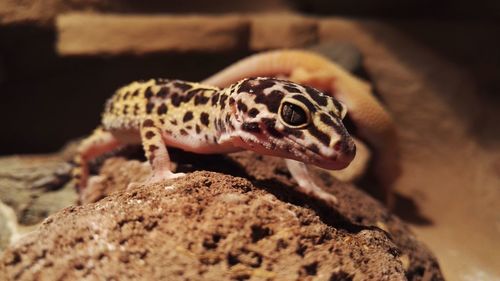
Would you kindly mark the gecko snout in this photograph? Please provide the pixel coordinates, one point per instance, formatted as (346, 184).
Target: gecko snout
(345, 150)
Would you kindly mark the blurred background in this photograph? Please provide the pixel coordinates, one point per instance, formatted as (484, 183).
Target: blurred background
(434, 64)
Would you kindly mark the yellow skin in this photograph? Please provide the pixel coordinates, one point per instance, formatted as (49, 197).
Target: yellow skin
(265, 115)
(374, 124)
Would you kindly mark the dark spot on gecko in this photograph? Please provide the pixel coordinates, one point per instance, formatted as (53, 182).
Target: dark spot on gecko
(136, 109)
(215, 99)
(187, 117)
(270, 127)
(187, 97)
(255, 86)
(294, 132)
(198, 129)
(152, 148)
(317, 96)
(272, 100)
(173, 122)
(231, 101)
(222, 101)
(338, 105)
(125, 109)
(291, 89)
(189, 127)
(306, 102)
(149, 107)
(148, 93)
(200, 99)
(242, 106)
(222, 128)
(314, 148)
(204, 118)
(253, 112)
(135, 93)
(329, 121)
(162, 109)
(250, 127)
(326, 119)
(162, 93)
(150, 135)
(126, 95)
(148, 123)
(176, 99)
(322, 137)
(206, 137)
(182, 86)
(183, 132)
(215, 139)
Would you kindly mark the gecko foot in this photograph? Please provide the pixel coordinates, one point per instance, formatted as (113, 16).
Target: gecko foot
(156, 178)
(324, 196)
(306, 184)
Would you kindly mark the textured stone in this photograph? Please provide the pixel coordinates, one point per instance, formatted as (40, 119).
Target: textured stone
(33, 186)
(91, 34)
(210, 226)
(282, 31)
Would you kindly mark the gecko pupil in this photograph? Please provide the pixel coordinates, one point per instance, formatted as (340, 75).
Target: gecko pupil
(293, 114)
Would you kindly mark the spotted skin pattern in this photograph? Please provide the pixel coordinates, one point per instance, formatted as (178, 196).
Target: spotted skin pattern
(266, 115)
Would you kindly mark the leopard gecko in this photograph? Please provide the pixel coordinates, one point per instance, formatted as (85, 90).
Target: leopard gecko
(372, 121)
(265, 115)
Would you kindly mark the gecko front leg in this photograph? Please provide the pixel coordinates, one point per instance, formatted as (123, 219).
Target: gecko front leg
(306, 184)
(156, 151)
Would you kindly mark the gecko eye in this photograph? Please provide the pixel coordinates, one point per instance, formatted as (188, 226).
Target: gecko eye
(293, 115)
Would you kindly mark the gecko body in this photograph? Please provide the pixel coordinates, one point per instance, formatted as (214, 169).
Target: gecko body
(265, 115)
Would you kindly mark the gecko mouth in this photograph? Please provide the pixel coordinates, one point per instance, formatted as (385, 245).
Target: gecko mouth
(336, 162)
(290, 148)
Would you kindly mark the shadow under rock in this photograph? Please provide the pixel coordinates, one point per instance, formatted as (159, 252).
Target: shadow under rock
(408, 210)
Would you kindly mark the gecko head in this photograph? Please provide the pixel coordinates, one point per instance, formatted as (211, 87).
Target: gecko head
(285, 119)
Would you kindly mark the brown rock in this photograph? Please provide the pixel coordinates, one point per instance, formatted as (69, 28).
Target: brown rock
(282, 31)
(210, 226)
(90, 34)
(34, 186)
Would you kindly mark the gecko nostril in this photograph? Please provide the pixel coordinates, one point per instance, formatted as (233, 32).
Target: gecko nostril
(337, 146)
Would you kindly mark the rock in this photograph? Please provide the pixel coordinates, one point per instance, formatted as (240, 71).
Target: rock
(5, 229)
(282, 31)
(31, 188)
(203, 226)
(212, 226)
(96, 34)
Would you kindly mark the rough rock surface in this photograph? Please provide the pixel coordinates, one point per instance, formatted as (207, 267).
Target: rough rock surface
(34, 186)
(211, 226)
